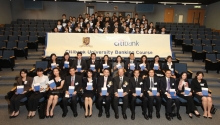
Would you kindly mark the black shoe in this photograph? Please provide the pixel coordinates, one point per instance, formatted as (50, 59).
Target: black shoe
(197, 115)
(100, 114)
(178, 116)
(64, 115)
(75, 114)
(204, 116)
(51, 116)
(150, 115)
(146, 117)
(158, 114)
(107, 114)
(210, 117)
(124, 116)
(86, 116)
(47, 116)
(10, 117)
(168, 117)
(190, 115)
(90, 115)
(116, 116)
(28, 117)
(32, 117)
(132, 116)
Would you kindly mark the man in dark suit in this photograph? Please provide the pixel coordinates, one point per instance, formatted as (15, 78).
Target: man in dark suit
(92, 62)
(80, 63)
(121, 82)
(137, 82)
(168, 83)
(131, 60)
(105, 81)
(152, 82)
(76, 81)
(163, 31)
(89, 28)
(135, 18)
(64, 21)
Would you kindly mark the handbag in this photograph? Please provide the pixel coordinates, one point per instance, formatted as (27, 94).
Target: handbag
(213, 110)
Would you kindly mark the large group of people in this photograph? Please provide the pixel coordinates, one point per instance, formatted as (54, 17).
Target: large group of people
(121, 79)
(105, 24)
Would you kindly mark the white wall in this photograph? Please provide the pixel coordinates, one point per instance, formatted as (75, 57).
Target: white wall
(212, 19)
(5, 12)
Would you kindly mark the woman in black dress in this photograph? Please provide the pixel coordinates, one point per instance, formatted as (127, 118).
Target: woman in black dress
(89, 94)
(183, 83)
(143, 61)
(65, 68)
(197, 84)
(52, 63)
(54, 93)
(156, 62)
(170, 66)
(107, 62)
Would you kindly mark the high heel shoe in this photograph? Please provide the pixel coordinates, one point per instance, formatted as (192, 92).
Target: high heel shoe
(51, 116)
(10, 117)
(28, 117)
(86, 116)
(32, 116)
(190, 116)
(210, 117)
(47, 116)
(90, 115)
(204, 116)
(197, 115)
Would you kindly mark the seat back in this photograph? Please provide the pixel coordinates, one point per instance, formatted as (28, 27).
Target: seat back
(207, 48)
(23, 38)
(2, 44)
(2, 38)
(216, 42)
(197, 42)
(216, 48)
(13, 38)
(211, 57)
(24, 33)
(218, 56)
(8, 53)
(11, 44)
(190, 80)
(33, 38)
(197, 48)
(206, 42)
(180, 67)
(21, 45)
(41, 64)
(187, 41)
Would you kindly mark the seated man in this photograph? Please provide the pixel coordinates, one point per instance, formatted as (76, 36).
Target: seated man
(168, 83)
(76, 81)
(151, 82)
(105, 81)
(121, 82)
(80, 64)
(129, 72)
(137, 82)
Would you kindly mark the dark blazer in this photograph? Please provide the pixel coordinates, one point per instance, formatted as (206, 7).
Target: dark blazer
(62, 63)
(197, 87)
(152, 65)
(163, 84)
(28, 85)
(66, 21)
(108, 63)
(116, 81)
(94, 85)
(57, 62)
(101, 83)
(147, 83)
(166, 67)
(67, 83)
(96, 63)
(133, 84)
(82, 63)
(127, 62)
(183, 88)
(139, 68)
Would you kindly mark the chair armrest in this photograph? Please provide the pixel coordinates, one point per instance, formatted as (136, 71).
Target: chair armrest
(190, 71)
(176, 71)
(36, 41)
(0, 56)
(208, 60)
(178, 59)
(193, 50)
(14, 88)
(30, 89)
(45, 69)
(12, 57)
(32, 69)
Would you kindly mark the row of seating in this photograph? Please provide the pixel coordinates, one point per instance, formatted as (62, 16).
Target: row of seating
(34, 21)
(194, 32)
(25, 29)
(19, 33)
(212, 62)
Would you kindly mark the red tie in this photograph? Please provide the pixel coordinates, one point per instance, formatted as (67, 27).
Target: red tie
(72, 82)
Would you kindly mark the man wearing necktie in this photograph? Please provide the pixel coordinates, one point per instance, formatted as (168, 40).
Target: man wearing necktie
(152, 82)
(121, 82)
(137, 82)
(132, 60)
(76, 81)
(80, 62)
(105, 81)
(168, 83)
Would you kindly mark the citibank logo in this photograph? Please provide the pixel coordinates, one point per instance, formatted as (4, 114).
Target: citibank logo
(125, 43)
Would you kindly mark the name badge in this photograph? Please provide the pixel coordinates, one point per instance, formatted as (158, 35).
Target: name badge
(202, 84)
(141, 83)
(124, 85)
(108, 86)
(25, 82)
(172, 84)
(76, 83)
(155, 83)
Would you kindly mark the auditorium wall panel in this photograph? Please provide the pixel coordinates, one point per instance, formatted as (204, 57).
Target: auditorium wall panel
(5, 12)
(212, 19)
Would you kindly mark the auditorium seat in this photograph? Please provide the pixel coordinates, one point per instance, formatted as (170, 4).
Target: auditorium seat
(186, 36)
(2, 45)
(11, 45)
(216, 37)
(211, 62)
(25, 33)
(33, 42)
(207, 49)
(32, 29)
(13, 38)
(215, 33)
(197, 53)
(22, 50)
(206, 42)
(8, 59)
(182, 67)
(17, 29)
(178, 39)
(8, 33)
(200, 32)
(201, 37)
(8, 28)
(196, 42)
(33, 33)
(216, 49)
(24, 29)
(23, 38)
(17, 33)
(39, 64)
(187, 45)
(194, 36)
(209, 37)
(3, 38)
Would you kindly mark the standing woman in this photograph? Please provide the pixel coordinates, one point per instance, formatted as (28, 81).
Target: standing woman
(54, 93)
(156, 62)
(64, 64)
(144, 62)
(53, 62)
(197, 84)
(120, 62)
(183, 83)
(15, 100)
(107, 62)
(89, 94)
(37, 95)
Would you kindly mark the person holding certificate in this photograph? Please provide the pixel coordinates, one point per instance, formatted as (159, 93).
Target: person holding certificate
(184, 91)
(121, 90)
(137, 90)
(168, 87)
(118, 64)
(65, 64)
(152, 88)
(156, 65)
(39, 87)
(143, 66)
(54, 92)
(71, 81)
(197, 85)
(130, 65)
(26, 82)
(105, 64)
(105, 91)
(80, 65)
(93, 64)
(169, 65)
(89, 87)
(53, 62)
